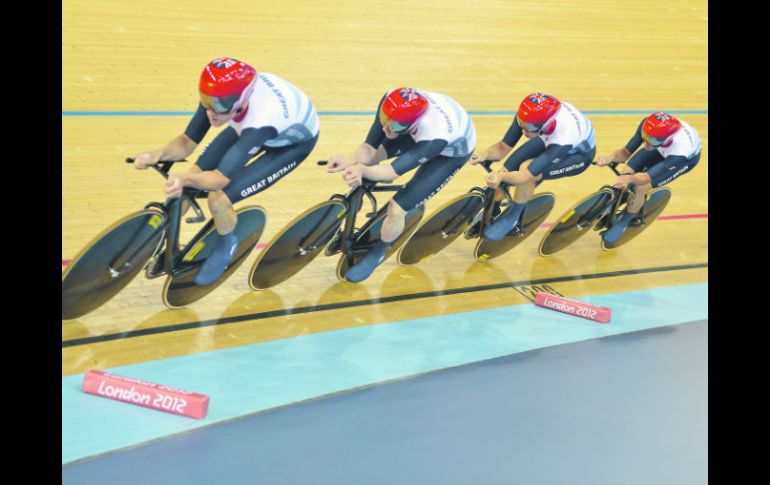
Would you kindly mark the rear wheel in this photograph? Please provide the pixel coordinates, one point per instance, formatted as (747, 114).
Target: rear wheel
(370, 234)
(110, 261)
(180, 288)
(654, 202)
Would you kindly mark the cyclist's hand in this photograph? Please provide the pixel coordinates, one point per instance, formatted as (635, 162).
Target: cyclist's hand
(620, 155)
(478, 158)
(338, 163)
(604, 160)
(353, 175)
(494, 179)
(146, 159)
(174, 186)
(623, 180)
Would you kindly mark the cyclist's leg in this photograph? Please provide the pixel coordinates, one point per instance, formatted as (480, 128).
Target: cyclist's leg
(669, 170)
(208, 160)
(524, 192)
(569, 166)
(265, 171)
(429, 179)
(642, 161)
(661, 174)
(519, 159)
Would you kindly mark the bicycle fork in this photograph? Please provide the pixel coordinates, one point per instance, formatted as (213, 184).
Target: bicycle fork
(124, 260)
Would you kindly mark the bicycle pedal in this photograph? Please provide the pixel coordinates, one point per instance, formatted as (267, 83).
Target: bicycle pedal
(473, 230)
(602, 223)
(154, 267)
(335, 246)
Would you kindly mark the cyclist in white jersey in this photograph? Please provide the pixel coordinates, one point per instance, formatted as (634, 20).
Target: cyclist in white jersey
(561, 144)
(268, 119)
(426, 131)
(671, 149)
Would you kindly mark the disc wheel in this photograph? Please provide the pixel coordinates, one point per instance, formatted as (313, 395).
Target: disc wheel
(445, 225)
(110, 261)
(180, 289)
(370, 234)
(535, 212)
(654, 202)
(297, 244)
(575, 222)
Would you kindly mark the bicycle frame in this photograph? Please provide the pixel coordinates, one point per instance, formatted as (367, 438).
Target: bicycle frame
(355, 201)
(173, 210)
(489, 199)
(619, 196)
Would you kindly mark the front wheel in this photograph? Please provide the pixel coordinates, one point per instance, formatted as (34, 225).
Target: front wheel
(441, 228)
(297, 244)
(576, 222)
(110, 261)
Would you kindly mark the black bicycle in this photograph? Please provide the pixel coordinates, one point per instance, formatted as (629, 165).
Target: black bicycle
(149, 239)
(599, 211)
(478, 206)
(332, 225)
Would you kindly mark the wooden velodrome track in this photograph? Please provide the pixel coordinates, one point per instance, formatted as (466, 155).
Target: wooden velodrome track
(145, 56)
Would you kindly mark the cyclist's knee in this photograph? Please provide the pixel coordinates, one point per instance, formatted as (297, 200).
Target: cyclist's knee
(219, 202)
(395, 210)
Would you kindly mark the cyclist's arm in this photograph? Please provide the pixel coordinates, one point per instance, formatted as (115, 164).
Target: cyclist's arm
(420, 153)
(183, 145)
(513, 135)
(366, 154)
(236, 157)
(496, 151)
(538, 165)
(501, 149)
(179, 148)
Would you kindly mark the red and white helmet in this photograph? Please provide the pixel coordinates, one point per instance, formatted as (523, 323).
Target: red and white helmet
(659, 127)
(401, 108)
(537, 112)
(226, 84)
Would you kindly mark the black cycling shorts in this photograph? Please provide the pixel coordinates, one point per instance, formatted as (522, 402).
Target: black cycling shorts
(270, 165)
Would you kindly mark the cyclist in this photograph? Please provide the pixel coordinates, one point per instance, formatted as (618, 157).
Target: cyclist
(561, 143)
(671, 149)
(426, 131)
(269, 120)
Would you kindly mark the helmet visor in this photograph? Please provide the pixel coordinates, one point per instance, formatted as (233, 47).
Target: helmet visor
(392, 125)
(652, 141)
(222, 104)
(530, 127)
